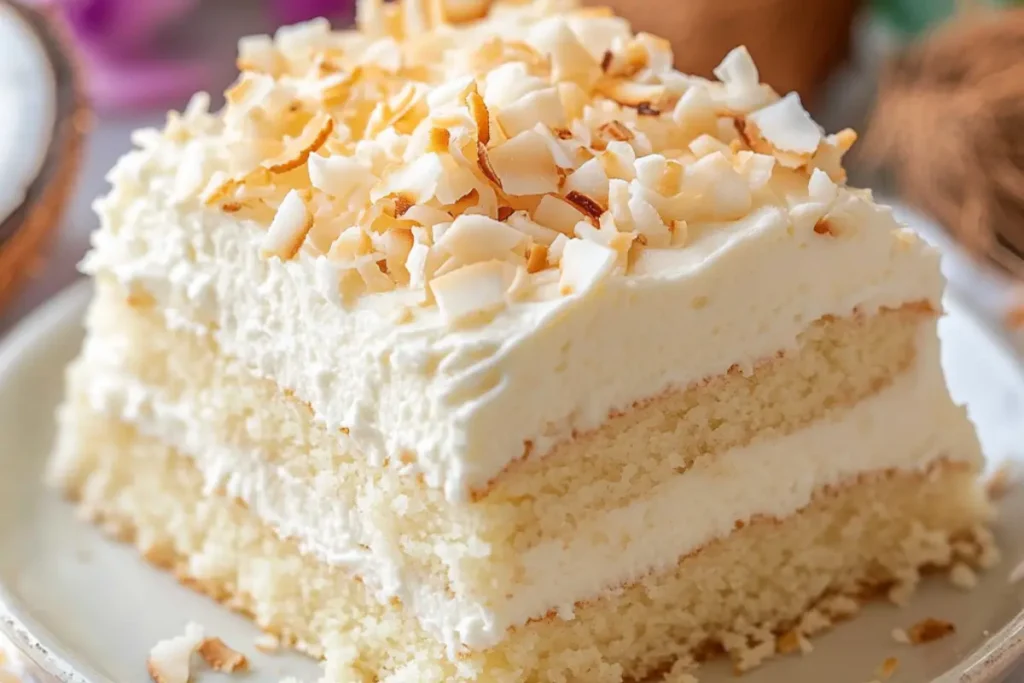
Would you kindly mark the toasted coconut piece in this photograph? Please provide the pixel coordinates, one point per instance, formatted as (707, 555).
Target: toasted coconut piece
(170, 660)
(615, 130)
(375, 279)
(589, 180)
(927, 630)
(632, 94)
(587, 205)
(524, 165)
(483, 159)
(570, 61)
(370, 19)
(438, 140)
(352, 243)
(650, 170)
(844, 139)
(648, 222)
(461, 11)
(562, 158)
(482, 117)
(338, 176)
(471, 293)
(539, 106)
(537, 232)
(705, 144)
(426, 215)
(473, 238)
(297, 151)
(288, 230)
(220, 657)
(560, 214)
(744, 91)
(536, 258)
(618, 159)
(726, 194)
(783, 129)
(258, 53)
(397, 245)
(583, 265)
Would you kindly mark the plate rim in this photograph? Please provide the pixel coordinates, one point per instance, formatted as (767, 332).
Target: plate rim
(985, 664)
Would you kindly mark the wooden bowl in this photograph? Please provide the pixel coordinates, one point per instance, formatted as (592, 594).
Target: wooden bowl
(40, 152)
(795, 43)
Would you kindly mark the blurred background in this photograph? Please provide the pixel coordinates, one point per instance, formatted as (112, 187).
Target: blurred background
(936, 87)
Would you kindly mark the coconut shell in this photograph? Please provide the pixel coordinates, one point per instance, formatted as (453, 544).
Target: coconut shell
(26, 229)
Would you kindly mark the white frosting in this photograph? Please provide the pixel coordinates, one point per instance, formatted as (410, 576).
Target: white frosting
(455, 400)
(906, 426)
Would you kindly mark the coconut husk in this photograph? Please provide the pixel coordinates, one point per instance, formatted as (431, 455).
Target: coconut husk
(26, 231)
(949, 126)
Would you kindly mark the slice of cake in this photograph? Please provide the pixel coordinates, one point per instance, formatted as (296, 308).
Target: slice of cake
(502, 351)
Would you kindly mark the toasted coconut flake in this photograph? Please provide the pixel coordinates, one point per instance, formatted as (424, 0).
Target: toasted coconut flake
(844, 139)
(170, 660)
(632, 94)
(462, 11)
(606, 60)
(426, 215)
(887, 668)
(313, 136)
(484, 161)
(536, 258)
(929, 629)
(288, 230)
(471, 293)
(338, 176)
(540, 106)
(267, 643)
(561, 157)
(556, 248)
(504, 212)
(585, 204)
(559, 214)
(570, 60)
(647, 109)
(258, 53)
(438, 140)
(220, 657)
(524, 165)
(589, 180)
(537, 232)
(478, 110)
(825, 227)
(473, 238)
(615, 130)
(787, 126)
(583, 265)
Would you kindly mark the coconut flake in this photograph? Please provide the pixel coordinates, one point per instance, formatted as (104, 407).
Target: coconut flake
(524, 165)
(584, 264)
(288, 230)
(558, 214)
(474, 238)
(540, 106)
(589, 180)
(570, 61)
(170, 660)
(539, 233)
(470, 293)
(787, 126)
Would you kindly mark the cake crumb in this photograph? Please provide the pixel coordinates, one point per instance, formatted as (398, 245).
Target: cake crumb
(840, 607)
(753, 656)
(927, 630)
(170, 660)
(900, 636)
(220, 657)
(682, 671)
(887, 668)
(901, 591)
(814, 621)
(267, 642)
(962, 576)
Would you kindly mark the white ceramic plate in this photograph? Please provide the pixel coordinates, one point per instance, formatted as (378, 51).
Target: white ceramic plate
(87, 609)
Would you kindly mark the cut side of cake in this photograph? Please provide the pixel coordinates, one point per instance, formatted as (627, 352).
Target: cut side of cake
(500, 350)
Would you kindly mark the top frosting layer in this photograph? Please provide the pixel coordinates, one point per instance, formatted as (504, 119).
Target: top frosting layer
(466, 242)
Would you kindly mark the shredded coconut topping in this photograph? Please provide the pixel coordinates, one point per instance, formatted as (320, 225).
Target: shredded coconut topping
(499, 142)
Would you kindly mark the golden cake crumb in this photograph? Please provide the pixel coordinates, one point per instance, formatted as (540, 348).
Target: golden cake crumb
(220, 657)
(927, 630)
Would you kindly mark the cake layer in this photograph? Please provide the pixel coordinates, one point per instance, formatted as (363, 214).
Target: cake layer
(414, 393)
(471, 571)
(851, 539)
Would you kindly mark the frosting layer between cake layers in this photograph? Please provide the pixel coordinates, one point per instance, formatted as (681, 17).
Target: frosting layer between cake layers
(449, 403)
(907, 426)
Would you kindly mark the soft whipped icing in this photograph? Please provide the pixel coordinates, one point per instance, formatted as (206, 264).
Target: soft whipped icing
(464, 403)
(907, 426)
